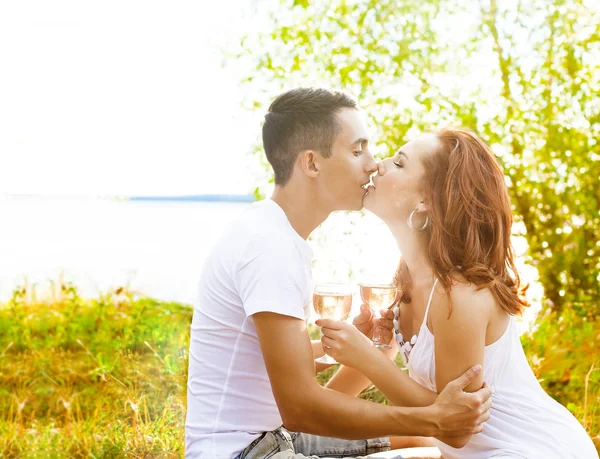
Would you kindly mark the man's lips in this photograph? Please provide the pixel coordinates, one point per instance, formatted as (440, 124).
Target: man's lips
(368, 187)
(371, 185)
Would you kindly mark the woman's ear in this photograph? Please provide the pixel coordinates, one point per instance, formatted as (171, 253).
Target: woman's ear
(422, 207)
(309, 162)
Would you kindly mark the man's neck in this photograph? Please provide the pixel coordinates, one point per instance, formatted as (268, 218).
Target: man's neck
(301, 208)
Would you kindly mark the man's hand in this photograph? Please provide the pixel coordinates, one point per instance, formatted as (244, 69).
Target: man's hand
(365, 322)
(463, 413)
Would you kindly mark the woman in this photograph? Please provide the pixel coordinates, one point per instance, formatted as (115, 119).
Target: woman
(445, 200)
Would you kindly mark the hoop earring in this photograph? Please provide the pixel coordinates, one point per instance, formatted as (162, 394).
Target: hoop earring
(410, 222)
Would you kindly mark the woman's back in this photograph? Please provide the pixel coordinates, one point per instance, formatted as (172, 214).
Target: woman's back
(525, 422)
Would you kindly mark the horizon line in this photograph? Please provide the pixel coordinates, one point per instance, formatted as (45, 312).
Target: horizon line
(185, 198)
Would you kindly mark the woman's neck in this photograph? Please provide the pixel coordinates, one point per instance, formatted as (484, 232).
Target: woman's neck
(413, 246)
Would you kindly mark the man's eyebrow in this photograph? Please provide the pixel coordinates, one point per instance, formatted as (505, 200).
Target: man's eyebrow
(359, 141)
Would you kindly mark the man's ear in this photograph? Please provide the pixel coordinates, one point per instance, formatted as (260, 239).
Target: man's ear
(309, 162)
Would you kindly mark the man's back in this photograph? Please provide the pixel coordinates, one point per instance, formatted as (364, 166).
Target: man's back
(260, 264)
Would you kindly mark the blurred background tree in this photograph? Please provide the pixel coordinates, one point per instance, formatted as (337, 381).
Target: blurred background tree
(525, 75)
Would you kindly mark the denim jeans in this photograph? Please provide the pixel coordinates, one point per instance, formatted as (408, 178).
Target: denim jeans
(281, 444)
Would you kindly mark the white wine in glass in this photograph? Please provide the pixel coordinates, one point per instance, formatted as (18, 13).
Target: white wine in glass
(332, 301)
(378, 296)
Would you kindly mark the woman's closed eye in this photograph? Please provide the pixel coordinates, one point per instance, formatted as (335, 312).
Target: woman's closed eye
(398, 163)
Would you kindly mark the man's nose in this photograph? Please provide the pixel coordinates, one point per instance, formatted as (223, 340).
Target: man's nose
(371, 166)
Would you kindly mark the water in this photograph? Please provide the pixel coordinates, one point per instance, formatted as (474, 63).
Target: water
(156, 247)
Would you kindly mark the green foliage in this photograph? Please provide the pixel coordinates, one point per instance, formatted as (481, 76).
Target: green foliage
(563, 353)
(113, 383)
(101, 378)
(524, 75)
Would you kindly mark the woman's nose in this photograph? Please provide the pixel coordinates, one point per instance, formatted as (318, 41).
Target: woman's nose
(380, 168)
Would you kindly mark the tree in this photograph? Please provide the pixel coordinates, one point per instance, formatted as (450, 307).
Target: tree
(524, 75)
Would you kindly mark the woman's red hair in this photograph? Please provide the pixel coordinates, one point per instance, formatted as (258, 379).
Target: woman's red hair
(470, 220)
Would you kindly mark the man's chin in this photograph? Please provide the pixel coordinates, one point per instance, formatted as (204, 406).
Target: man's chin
(353, 208)
(355, 205)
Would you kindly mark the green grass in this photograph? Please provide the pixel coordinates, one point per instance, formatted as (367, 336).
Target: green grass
(106, 377)
(103, 378)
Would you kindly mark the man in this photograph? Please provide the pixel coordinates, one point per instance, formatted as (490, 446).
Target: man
(251, 362)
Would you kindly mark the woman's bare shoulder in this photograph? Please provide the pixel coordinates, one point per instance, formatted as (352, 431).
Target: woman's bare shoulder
(465, 297)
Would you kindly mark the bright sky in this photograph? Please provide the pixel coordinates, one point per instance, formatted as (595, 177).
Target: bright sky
(121, 98)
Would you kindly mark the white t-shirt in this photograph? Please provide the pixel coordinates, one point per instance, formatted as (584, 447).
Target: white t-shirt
(260, 264)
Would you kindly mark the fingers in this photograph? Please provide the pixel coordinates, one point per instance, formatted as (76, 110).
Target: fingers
(483, 417)
(487, 404)
(336, 330)
(384, 323)
(477, 429)
(485, 394)
(387, 314)
(386, 335)
(385, 327)
(364, 316)
(463, 432)
(331, 333)
(327, 342)
(365, 310)
(474, 428)
(468, 376)
(330, 323)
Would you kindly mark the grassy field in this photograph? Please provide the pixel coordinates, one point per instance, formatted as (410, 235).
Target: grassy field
(106, 377)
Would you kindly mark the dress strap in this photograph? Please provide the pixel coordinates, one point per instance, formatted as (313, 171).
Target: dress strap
(429, 303)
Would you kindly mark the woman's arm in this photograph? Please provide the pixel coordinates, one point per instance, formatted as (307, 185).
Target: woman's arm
(317, 350)
(352, 382)
(393, 382)
(460, 338)
(348, 381)
(355, 350)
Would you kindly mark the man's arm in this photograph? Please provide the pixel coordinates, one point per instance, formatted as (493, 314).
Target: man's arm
(307, 407)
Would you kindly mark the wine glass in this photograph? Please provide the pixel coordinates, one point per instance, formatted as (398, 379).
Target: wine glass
(378, 296)
(332, 301)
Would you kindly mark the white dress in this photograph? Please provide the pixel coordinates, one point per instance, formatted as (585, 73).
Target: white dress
(525, 422)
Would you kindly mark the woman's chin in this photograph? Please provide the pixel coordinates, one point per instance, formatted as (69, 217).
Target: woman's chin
(370, 200)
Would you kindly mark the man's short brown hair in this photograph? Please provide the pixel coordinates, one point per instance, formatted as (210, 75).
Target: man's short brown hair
(299, 120)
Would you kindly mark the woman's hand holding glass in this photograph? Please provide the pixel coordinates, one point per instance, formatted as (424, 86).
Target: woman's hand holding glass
(380, 298)
(366, 323)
